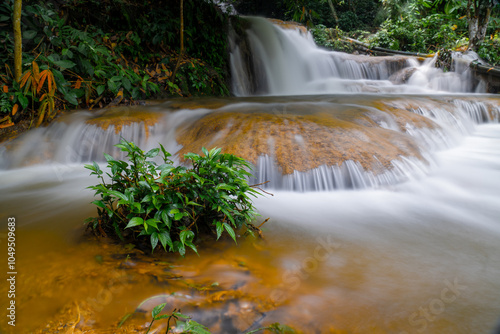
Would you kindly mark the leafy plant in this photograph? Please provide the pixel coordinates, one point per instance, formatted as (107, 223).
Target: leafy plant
(193, 327)
(188, 326)
(276, 328)
(489, 50)
(33, 81)
(170, 204)
(330, 38)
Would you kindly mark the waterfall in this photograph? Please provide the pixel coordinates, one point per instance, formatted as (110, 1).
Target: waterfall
(287, 62)
(306, 133)
(307, 143)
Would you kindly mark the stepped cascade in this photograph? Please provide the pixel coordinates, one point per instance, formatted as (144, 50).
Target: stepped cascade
(305, 142)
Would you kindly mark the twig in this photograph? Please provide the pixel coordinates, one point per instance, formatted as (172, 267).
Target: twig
(264, 191)
(265, 221)
(260, 184)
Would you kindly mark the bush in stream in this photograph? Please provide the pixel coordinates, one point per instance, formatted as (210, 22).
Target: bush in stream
(172, 204)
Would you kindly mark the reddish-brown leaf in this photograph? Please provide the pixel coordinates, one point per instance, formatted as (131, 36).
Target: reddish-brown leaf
(78, 83)
(43, 76)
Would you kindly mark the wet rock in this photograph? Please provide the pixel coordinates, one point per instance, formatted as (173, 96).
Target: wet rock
(119, 117)
(299, 142)
(402, 76)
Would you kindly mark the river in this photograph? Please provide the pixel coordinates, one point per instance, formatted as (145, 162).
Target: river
(384, 214)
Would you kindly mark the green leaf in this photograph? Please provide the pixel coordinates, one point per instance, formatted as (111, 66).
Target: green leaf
(165, 169)
(99, 204)
(192, 156)
(163, 316)
(192, 326)
(152, 153)
(180, 315)
(152, 222)
(29, 34)
(230, 231)
(64, 64)
(154, 240)
(113, 87)
(182, 250)
(219, 229)
(67, 53)
(126, 84)
(228, 215)
(135, 222)
(23, 100)
(204, 150)
(165, 239)
(91, 167)
(158, 309)
(119, 195)
(224, 187)
(166, 219)
(146, 198)
(192, 246)
(215, 151)
(71, 97)
(182, 236)
(100, 89)
(145, 184)
(108, 157)
(165, 153)
(192, 203)
(179, 216)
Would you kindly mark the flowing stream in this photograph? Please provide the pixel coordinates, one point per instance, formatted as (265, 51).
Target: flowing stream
(385, 214)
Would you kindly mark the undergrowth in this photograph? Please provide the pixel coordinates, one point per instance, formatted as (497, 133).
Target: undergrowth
(172, 205)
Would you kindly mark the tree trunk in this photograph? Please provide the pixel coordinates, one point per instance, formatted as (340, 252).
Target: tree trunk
(181, 51)
(478, 16)
(182, 26)
(18, 40)
(334, 13)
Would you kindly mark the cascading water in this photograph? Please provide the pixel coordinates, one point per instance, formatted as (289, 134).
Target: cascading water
(386, 206)
(287, 62)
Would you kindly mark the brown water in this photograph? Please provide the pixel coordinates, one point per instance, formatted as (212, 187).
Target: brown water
(67, 283)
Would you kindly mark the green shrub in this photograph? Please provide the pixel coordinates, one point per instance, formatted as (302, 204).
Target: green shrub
(188, 326)
(171, 204)
(489, 50)
(331, 39)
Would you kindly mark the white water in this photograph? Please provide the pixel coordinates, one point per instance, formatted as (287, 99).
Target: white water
(445, 226)
(287, 62)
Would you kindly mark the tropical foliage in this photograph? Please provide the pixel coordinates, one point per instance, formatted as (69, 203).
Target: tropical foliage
(93, 52)
(171, 205)
(430, 25)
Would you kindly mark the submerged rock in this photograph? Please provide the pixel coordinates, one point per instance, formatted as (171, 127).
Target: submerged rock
(301, 142)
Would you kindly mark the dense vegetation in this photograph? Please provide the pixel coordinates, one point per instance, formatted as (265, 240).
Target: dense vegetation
(348, 15)
(172, 205)
(87, 53)
(406, 25)
(428, 26)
